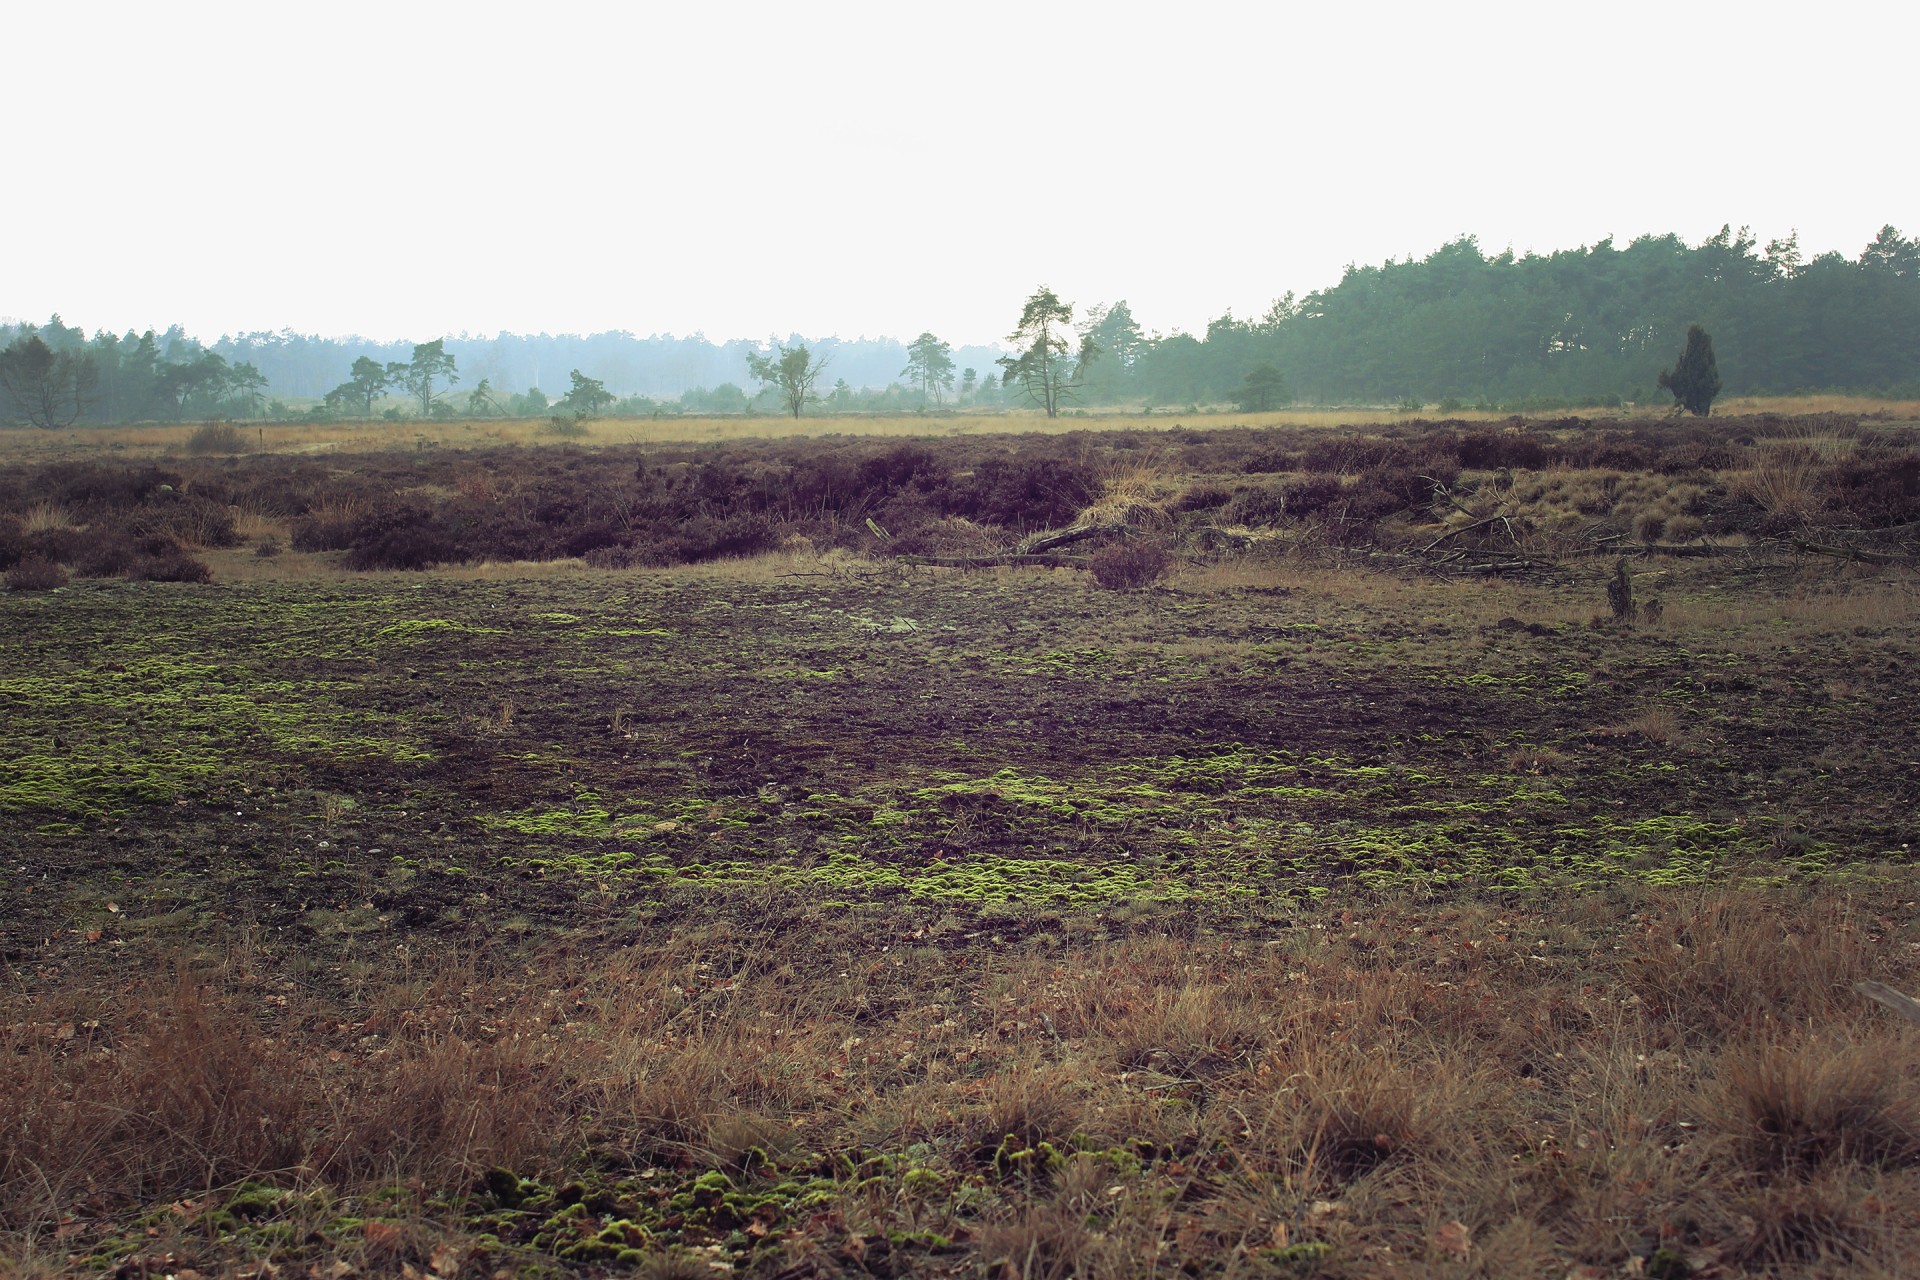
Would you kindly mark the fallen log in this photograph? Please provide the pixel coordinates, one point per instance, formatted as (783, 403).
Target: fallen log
(1512, 566)
(1048, 541)
(996, 559)
(1208, 535)
(1851, 553)
(1683, 549)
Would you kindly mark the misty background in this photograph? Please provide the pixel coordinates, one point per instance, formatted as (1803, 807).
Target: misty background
(1457, 327)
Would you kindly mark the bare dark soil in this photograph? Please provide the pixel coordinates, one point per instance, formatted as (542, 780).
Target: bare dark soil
(463, 752)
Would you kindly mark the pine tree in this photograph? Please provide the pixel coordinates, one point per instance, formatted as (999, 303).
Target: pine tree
(1695, 380)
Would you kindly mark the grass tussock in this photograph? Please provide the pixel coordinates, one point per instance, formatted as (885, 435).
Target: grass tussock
(1800, 1104)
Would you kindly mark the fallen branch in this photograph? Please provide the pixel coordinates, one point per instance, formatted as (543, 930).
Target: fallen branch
(1511, 566)
(1683, 549)
(1850, 553)
(1065, 538)
(1901, 1003)
(1469, 528)
(996, 559)
(1211, 535)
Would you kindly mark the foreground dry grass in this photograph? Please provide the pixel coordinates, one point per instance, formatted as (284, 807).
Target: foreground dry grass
(1664, 1083)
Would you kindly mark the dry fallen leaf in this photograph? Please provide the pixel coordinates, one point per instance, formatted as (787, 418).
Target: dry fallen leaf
(1454, 1238)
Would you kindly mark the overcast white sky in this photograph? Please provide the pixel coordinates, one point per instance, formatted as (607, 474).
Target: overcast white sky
(406, 170)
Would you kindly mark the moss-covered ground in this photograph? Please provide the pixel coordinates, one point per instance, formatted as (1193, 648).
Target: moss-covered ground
(1026, 741)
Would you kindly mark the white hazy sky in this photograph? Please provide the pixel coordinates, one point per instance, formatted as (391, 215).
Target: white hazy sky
(410, 170)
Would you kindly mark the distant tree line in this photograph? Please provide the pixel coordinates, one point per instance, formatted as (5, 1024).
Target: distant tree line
(53, 375)
(1594, 325)
(1582, 326)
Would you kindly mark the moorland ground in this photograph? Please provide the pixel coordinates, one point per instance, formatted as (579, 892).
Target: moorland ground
(635, 867)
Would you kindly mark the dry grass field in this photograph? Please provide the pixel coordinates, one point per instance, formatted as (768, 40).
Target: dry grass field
(164, 439)
(658, 857)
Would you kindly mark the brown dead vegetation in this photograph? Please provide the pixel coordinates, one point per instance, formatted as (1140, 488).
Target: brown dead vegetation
(1676, 1075)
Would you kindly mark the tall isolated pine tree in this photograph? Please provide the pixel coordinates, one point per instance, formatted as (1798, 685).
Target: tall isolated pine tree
(1695, 380)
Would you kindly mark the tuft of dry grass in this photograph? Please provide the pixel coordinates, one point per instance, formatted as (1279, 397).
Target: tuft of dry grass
(1738, 960)
(1658, 723)
(46, 515)
(1783, 481)
(1134, 491)
(1798, 1104)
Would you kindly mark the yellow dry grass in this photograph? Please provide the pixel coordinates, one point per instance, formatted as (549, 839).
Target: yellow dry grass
(47, 515)
(1903, 410)
(160, 439)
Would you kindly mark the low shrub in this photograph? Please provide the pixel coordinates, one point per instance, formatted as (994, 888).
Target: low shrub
(1026, 493)
(710, 539)
(622, 557)
(13, 542)
(1203, 497)
(173, 566)
(1696, 455)
(1345, 454)
(402, 538)
(1876, 490)
(99, 486)
(1404, 486)
(326, 529)
(1128, 566)
(35, 574)
(905, 467)
(1267, 461)
(63, 546)
(1491, 450)
(589, 538)
(949, 535)
(115, 551)
(1313, 495)
(1255, 507)
(194, 522)
(217, 437)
